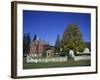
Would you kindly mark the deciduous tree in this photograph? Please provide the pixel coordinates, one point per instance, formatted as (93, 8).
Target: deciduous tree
(72, 39)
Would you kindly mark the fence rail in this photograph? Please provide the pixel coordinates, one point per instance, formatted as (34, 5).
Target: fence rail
(45, 60)
(57, 59)
(85, 57)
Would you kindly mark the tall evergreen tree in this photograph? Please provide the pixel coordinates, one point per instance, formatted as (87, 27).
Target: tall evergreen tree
(26, 43)
(35, 37)
(72, 39)
(28, 38)
(57, 44)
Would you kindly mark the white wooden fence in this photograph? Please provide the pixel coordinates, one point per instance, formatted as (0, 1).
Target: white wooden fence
(84, 57)
(45, 60)
(57, 59)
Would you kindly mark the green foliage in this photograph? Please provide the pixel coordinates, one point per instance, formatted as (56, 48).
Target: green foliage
(44, 54)
(26, 43)
(72, 39)
(57, 44)
(63, 54)
(35, 37)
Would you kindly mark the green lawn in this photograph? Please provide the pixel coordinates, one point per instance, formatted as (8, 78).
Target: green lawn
(69, 63)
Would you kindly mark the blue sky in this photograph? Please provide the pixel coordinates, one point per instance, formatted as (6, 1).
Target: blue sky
(47, 25)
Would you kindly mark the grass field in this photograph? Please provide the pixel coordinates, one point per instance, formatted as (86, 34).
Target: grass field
(69, 63)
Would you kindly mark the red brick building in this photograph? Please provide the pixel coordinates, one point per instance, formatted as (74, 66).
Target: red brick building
(38, 47)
